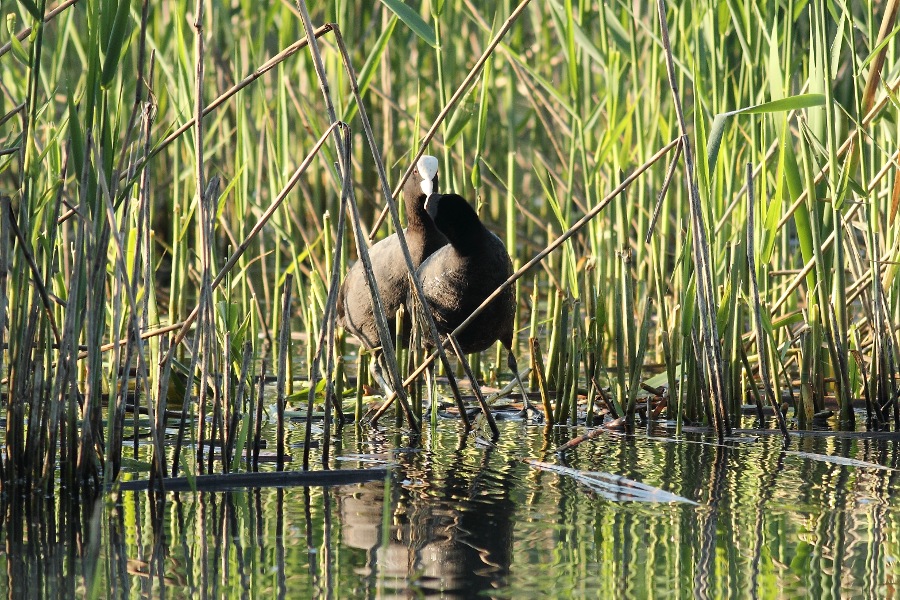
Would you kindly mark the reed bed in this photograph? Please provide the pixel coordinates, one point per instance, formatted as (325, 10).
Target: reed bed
(700, 202)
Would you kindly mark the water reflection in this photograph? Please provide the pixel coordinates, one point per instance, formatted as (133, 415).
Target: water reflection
(461, 519)
(450, 531)
(49, 544)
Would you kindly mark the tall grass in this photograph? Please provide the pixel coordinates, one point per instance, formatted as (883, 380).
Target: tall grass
(111, 246)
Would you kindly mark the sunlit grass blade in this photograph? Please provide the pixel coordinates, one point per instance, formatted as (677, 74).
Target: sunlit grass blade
(412, 20)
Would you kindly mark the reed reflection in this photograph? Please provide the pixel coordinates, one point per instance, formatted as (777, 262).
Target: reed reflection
(798, 523)
(46, 540)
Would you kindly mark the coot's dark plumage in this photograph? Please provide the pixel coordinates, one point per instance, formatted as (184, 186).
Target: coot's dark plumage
(354, 305)
(457, 278)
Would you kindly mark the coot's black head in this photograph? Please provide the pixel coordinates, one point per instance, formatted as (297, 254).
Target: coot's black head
(455, 218)
(422, 182)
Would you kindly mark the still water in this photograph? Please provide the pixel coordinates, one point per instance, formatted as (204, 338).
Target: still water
(461, 519)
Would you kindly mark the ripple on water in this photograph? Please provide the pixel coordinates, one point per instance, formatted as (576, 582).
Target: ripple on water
(462, 519)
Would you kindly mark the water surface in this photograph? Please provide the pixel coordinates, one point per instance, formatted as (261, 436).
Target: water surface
(460, 518)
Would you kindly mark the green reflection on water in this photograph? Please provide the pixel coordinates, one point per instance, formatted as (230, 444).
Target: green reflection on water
(461, 519)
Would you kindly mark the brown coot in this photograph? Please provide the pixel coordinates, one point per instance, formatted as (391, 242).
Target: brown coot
(457, 278)
(354, 304)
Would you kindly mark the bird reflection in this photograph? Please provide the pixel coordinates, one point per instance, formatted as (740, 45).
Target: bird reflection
(450, 531)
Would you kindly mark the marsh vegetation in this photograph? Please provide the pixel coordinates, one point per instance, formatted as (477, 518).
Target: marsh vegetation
(699, 202)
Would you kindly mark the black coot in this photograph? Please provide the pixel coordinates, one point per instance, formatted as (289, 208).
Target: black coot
(354, 304)
(457, 278)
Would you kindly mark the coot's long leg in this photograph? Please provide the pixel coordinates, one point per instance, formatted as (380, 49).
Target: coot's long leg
(377, 371)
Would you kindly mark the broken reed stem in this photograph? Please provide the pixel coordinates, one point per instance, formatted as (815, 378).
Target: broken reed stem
(460, 92)
(670, 173)
(706, 303)
(476, 389)
(12, 113)
(577, 441)
(762, 345)
(260, 397)
(543, 253)
(384, 334)
(326, 335)
(537, 366)
(419, 294)
(284, 336)
(151, 333)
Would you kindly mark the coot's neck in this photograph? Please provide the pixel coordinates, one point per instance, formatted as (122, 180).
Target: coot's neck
(422, 234)
(416, 215)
